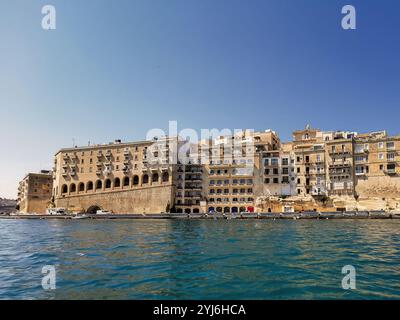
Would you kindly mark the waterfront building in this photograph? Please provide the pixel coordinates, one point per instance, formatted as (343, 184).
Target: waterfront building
(310, 162)
(35, 192)
(135, 177)
(227, 173)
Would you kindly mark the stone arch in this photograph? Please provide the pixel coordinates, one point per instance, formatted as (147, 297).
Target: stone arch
(196, 210)
(227, 210)
(145, 179)
(219, 209)
(64, 188)
(99, 185)
(179, 210)
(72, 188)
(211, 209)
(234, 209)
(125, 182)
(187, 210)
(89, 186)
(107, 184)
(165, 177)
(93, 209)
(81, 187)
(155, 177)
(242, 209)
(117, 182)
(135, 180)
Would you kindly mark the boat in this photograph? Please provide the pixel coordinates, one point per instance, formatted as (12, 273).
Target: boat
(103, 212)
(56, 211)
(81, 216)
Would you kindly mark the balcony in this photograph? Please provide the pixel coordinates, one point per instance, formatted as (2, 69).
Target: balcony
(107, 172)
(65, 157)
(64, 173)
(363, 173)
(99, 155)
(73, 173)
(99, 172)
(338, 164)
(339, 152)
(390, 171)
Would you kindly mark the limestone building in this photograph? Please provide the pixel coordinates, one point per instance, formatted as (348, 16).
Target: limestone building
(35, 192)
(227, 173)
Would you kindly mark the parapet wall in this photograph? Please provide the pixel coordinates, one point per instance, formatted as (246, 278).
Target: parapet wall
(145, 200)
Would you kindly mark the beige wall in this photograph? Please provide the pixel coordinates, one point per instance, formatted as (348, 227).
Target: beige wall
(144, 200)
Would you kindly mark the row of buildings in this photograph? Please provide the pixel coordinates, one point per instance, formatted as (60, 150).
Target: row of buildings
(225, 174)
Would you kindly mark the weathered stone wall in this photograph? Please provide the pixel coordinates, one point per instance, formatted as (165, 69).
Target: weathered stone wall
(380, 186)
(38, 205)
(144, 200)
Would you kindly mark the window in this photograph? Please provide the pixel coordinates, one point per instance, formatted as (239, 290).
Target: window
(391, 167)
(285, 161)
(266, 180)
(276, 180)
(359, 169)
(285, 179)
(381, 167)
(381, 156)
(390, 156)
(390, 145)
(380, 145)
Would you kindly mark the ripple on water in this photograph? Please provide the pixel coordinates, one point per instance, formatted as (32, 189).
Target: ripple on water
(164, 259)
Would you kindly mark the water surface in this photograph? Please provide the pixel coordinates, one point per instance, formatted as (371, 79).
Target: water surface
(199, 259)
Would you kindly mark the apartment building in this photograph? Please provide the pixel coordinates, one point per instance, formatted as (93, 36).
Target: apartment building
(134, 177)
(279, 177)
(35, 192)
(377, 170)
(339, 155)
(310, 162)
(223, 174)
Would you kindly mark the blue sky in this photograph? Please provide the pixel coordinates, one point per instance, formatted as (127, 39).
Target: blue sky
(115, 69)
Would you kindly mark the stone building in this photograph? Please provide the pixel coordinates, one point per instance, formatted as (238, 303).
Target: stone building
(134, 177)
(35, 192)
(230, 173)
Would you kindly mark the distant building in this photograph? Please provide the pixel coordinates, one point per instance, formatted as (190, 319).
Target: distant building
(35, 192)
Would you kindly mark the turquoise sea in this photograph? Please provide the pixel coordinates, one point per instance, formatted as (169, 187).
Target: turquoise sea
(199, 259)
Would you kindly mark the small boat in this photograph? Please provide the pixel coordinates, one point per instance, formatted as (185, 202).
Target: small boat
(100, 212)
(81, 216)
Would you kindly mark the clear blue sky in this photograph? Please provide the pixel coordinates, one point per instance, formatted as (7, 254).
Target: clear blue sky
(115, 69)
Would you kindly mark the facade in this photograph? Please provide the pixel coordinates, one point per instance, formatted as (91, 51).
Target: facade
(132, 177)
(35, 192)
(225, 174)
